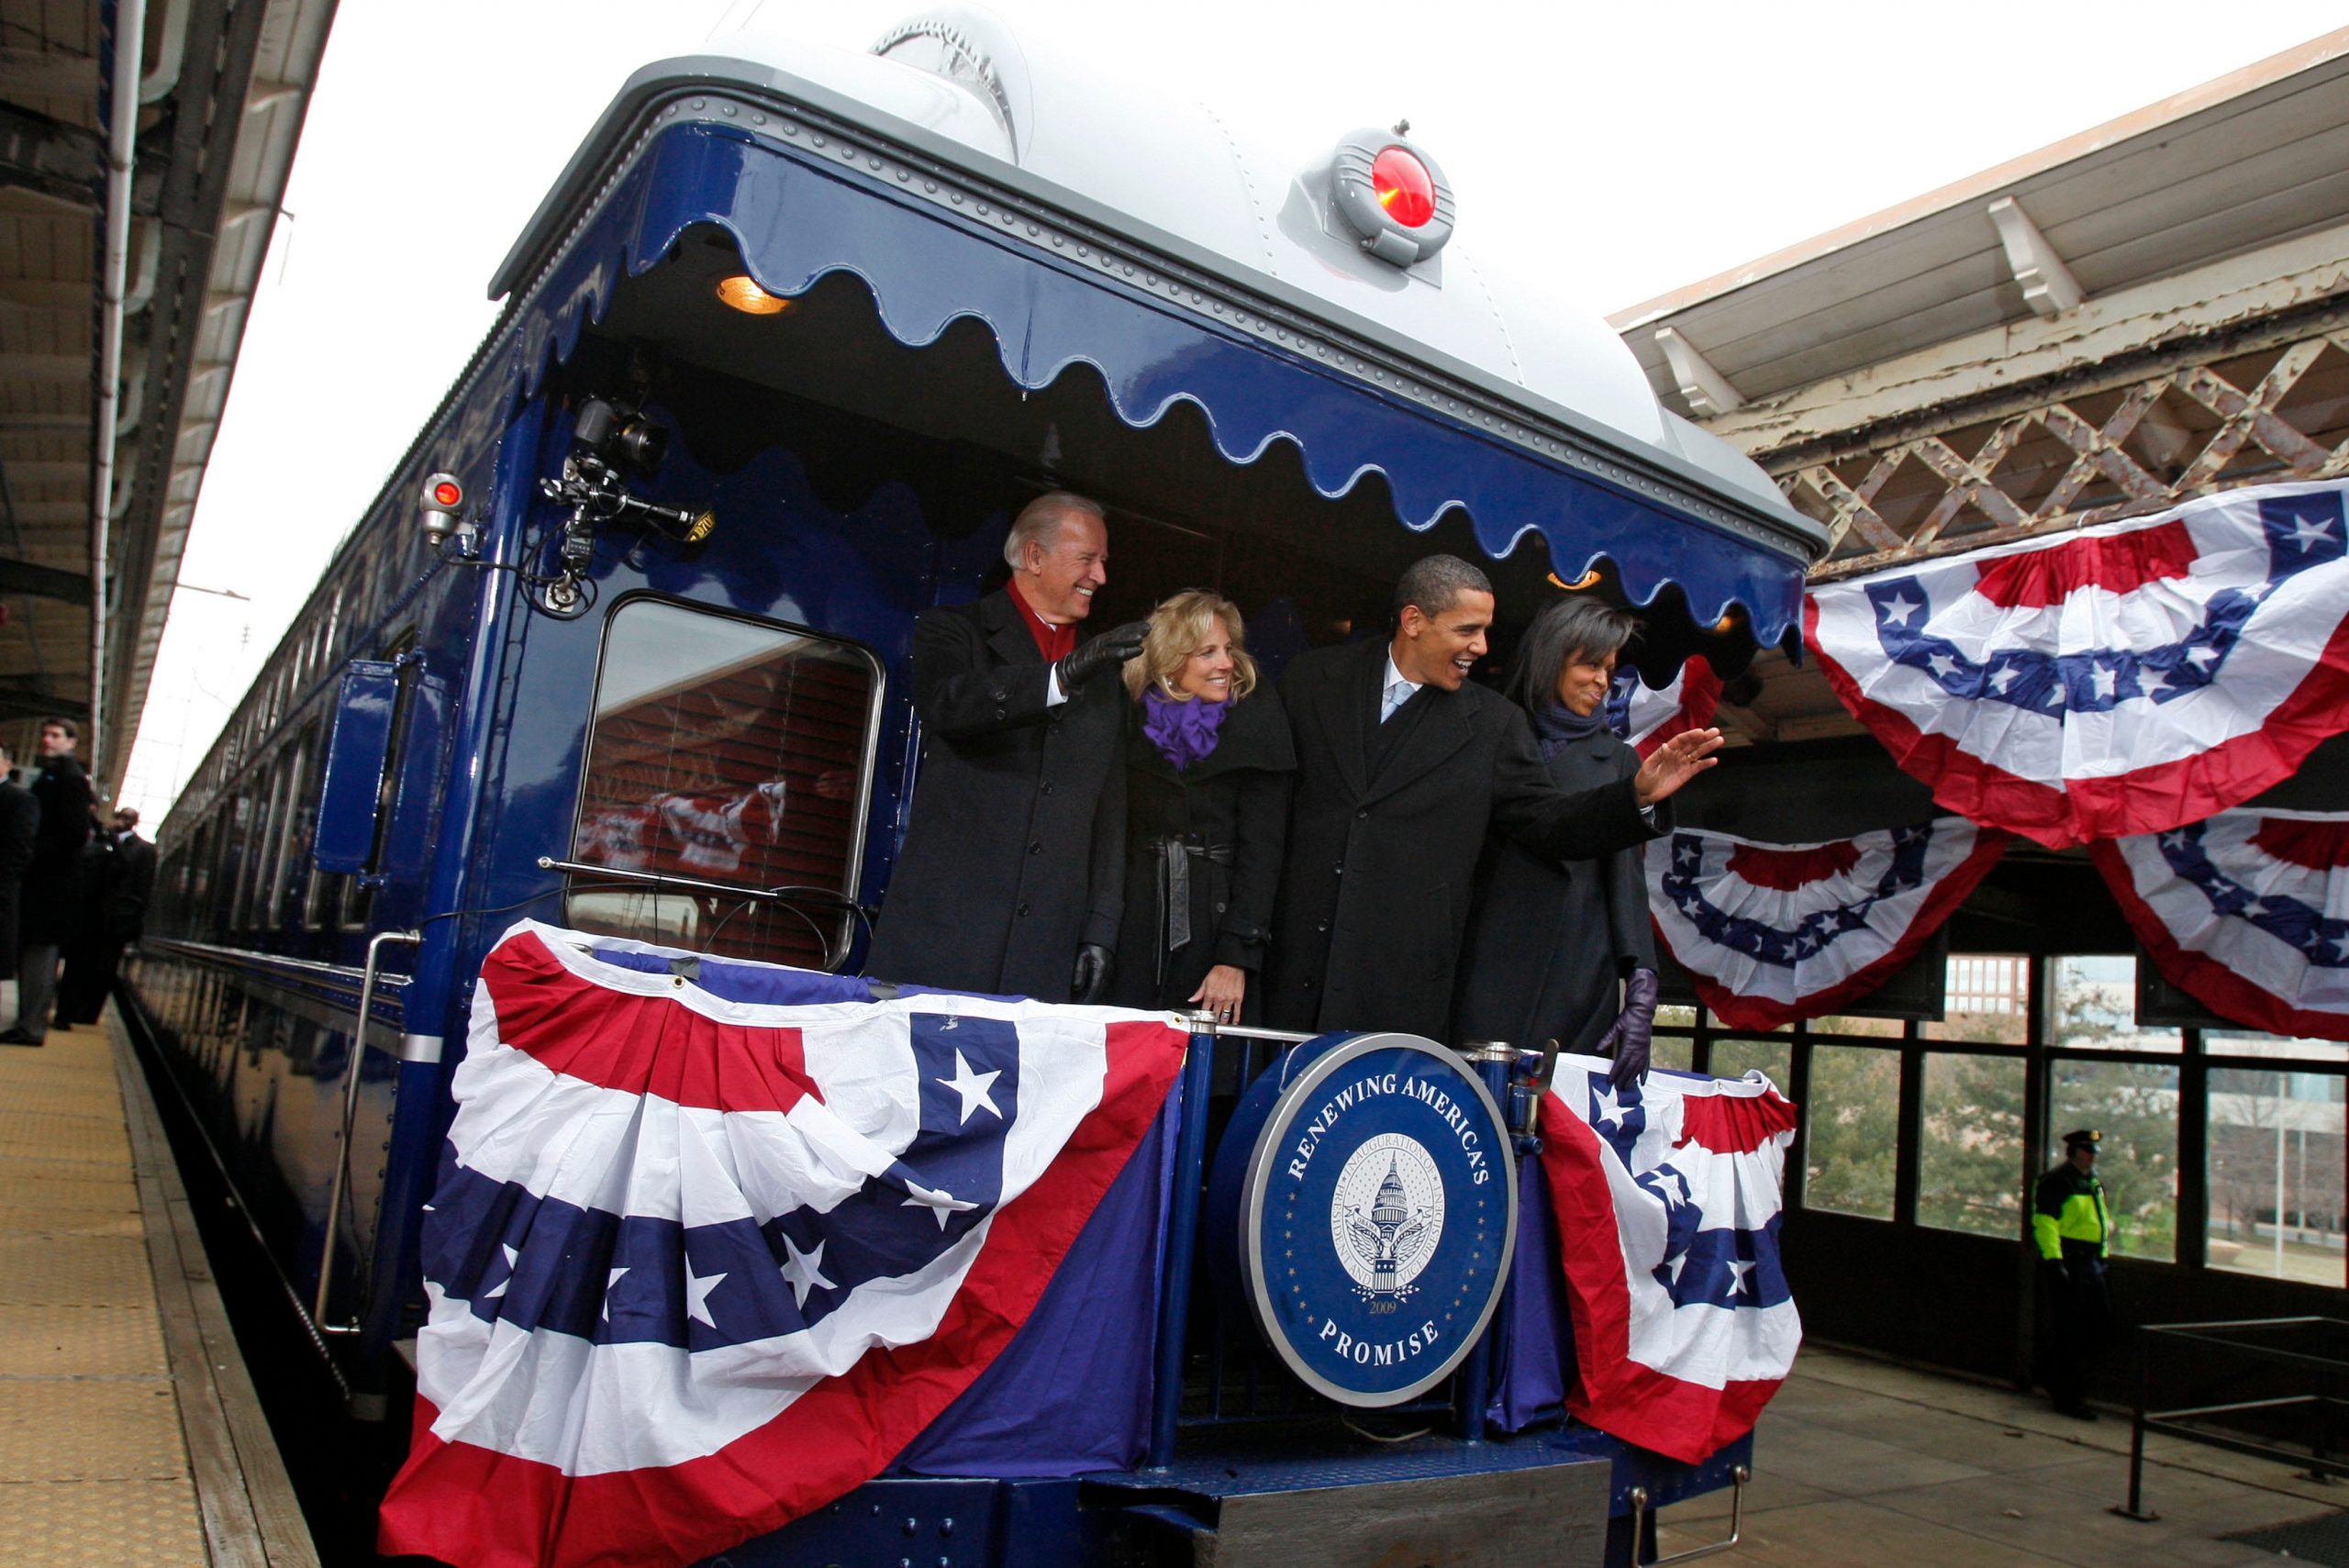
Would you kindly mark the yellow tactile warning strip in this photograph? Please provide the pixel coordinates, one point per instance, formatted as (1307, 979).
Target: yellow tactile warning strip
(112, 1365)
(130, 1522)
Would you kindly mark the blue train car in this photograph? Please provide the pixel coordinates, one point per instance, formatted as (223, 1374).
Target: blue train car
(622, 643)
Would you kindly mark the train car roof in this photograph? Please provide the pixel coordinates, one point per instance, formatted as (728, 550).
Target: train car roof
(1113, 152)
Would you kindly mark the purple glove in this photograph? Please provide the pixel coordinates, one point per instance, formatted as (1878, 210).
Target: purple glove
(1628, 1039)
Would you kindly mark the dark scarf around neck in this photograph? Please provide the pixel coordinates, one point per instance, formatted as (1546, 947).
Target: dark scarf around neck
(1557, 726)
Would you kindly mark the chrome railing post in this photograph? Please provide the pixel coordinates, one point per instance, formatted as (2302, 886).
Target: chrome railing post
(375, 946)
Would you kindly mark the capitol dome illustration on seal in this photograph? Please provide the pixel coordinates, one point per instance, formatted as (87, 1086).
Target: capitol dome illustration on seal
(1362, 1211)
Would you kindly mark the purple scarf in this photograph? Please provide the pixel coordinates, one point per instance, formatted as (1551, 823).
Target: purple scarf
(1183, 731)
(1557, 726)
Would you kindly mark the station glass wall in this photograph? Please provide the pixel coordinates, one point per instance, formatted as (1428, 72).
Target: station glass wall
(2223, 1149)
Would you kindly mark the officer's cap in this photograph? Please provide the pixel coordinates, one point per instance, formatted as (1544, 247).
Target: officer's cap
(2088, 1137)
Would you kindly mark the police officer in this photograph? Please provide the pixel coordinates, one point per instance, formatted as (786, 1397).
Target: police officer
(2073, 1227)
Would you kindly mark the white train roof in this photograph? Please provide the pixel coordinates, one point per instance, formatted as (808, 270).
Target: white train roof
(1120, 150)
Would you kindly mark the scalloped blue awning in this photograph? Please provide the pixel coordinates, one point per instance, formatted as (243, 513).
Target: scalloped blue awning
(799, 218)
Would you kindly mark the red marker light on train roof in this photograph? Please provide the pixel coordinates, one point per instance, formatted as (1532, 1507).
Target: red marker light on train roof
(1404, 186)
(448, 492)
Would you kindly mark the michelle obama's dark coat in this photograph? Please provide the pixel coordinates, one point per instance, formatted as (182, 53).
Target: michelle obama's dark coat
(1234, 800)
(1551, 939)
(1385, 835)
(1016, 853)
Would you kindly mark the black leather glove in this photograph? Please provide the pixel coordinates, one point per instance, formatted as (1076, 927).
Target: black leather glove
(1092, 976)
(1630, 1040)
(1107, 651)
(2054, 1272)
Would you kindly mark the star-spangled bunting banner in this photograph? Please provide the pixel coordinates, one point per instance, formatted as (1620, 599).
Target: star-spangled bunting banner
(1645, 717)
(2248, 913)
(2126, 679)
(1774, 933)
(1667, 1196)
(697, 1266)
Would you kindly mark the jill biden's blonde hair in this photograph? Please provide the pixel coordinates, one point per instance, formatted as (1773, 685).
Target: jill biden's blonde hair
(1177, 627)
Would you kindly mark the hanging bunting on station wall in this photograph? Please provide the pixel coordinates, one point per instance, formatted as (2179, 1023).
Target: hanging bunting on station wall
(1646, 717)
(1775, 932)
(2125, 679)
(2248, 913)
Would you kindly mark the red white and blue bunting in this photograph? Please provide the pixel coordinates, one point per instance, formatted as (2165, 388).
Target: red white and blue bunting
(1666, 1195)
(2248, 913)
(1646, 717)
(1775, 932)
(2129, 679)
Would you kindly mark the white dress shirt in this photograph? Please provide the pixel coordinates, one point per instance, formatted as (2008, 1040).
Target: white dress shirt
(1396, 692)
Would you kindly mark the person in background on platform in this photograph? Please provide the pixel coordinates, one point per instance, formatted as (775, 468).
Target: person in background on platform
(51, 886)
(1207, 766)
(1562, 949)
(2074, 1231)
(1402, 765)
(20, 826)
(1012, 877)
(121, 880)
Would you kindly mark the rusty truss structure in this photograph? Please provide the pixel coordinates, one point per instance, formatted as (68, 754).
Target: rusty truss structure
(2117, 440)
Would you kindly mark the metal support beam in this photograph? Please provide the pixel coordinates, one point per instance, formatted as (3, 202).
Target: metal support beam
(58, 160)
(47, 581)
(1707, 391)
(2048, 286)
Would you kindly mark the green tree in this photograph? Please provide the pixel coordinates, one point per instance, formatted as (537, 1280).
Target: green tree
(1850, 1137)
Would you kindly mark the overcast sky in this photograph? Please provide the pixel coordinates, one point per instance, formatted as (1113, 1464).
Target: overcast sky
(1629, 150)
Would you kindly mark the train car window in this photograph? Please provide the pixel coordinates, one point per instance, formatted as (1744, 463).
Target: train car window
(260, 868)
(236, 824)
(729, 752)
(293, 840)
(323, 902)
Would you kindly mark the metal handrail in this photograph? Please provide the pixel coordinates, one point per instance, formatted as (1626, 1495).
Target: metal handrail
(375, 946)
(2176, 1421)
(1738, 1477)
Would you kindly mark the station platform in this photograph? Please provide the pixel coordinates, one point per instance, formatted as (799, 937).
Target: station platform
(1859, 1464)
(128, 1430)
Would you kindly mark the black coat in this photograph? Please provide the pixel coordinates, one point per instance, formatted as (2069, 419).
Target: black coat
(20, 826)
(1382, 860)
(1016, 853)
(52, 890)
(1233, 800)
(122, 914)
(1550, 940)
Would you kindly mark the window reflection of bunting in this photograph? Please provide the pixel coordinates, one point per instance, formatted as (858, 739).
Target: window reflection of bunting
(2247, 912)
(2126, 679)
(1771, 933)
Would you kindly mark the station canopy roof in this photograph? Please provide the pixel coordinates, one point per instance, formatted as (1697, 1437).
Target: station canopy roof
(222, 94)
(2251, 160)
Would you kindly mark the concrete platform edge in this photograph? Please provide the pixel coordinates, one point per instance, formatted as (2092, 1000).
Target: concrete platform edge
(252, 1518)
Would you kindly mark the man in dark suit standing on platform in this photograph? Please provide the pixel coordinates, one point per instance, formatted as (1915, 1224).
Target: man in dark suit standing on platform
(1402, 764)
(20, 824)
(1012, 876)
(52, 882)
(121, 877)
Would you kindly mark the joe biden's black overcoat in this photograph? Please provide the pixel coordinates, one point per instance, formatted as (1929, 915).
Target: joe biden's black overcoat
(1016, 853)
(1385, 835)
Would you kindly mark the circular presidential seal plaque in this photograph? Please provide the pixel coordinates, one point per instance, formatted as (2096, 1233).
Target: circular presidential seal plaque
(1377, 1216)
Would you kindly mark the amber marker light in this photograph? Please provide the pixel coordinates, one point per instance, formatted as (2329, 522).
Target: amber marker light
(1588, 580)
(748, 297)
